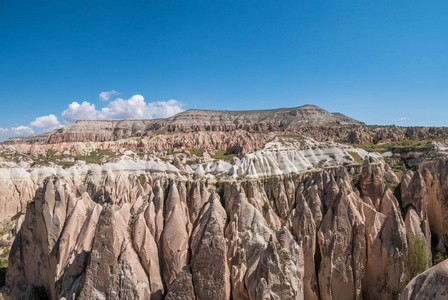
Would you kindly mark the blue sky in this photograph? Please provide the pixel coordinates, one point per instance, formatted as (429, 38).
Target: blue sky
(382, 62)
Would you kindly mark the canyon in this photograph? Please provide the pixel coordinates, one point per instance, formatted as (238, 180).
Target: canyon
(294, 203)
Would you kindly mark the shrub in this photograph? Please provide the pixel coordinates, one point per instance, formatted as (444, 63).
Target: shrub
(416, 261)
(437, 256)
(142, 179)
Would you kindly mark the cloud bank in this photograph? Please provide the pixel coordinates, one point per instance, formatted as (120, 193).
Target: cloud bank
(3, 131)
(47, 123)
(119, 109)
(22, 131)
(76, 111)
(122, 109)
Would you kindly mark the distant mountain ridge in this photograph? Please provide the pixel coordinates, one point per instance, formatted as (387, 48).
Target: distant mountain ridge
(193, 120)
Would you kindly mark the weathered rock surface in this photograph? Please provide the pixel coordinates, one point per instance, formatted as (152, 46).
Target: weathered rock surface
(310, 235)
(432, 284)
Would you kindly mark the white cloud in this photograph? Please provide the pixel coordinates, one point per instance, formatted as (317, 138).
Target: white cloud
(47, 123)
(105, 96)
(120, 109)
(22, 130)
(3, 131)
(164, 109)
(137, 108)
(76, 111)
(133, 108)
(402, 118)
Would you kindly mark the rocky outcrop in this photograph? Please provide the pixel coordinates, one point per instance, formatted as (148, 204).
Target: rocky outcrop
(432, 284)
(316, 235)
(209, 251)
(415, 202)
(182, 288)
(101, 274)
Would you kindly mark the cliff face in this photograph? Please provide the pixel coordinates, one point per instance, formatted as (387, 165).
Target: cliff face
(311, 235)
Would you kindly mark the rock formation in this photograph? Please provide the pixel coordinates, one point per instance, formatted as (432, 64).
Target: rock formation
(432, 284)
(290, 236)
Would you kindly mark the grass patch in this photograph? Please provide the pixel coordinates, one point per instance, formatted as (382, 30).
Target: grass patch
(355, 156)
(380, 148)
(51, 157)
(403, 146)
(92, 158)
(395, 164)
(412, 145)
(197, 152)
(222, 155)
(142, 179)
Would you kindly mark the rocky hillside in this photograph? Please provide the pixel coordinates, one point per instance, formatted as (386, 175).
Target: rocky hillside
(193, 120)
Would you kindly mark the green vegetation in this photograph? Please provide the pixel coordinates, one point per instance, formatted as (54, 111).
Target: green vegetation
(397, 168)
(93, 158)
(133, 219)
(68, 161)
(197, 152)
(417, 260)
(437, 256)
(241, 176)
(283, 255)
(412, 145)
(396, 164)
(266, 206)
(355, 156)
(142, 179)
(106, 153)
(391, 187)
(222, 155)
(403, 146)
(380, 148)
(88, 212)
(321, 163)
